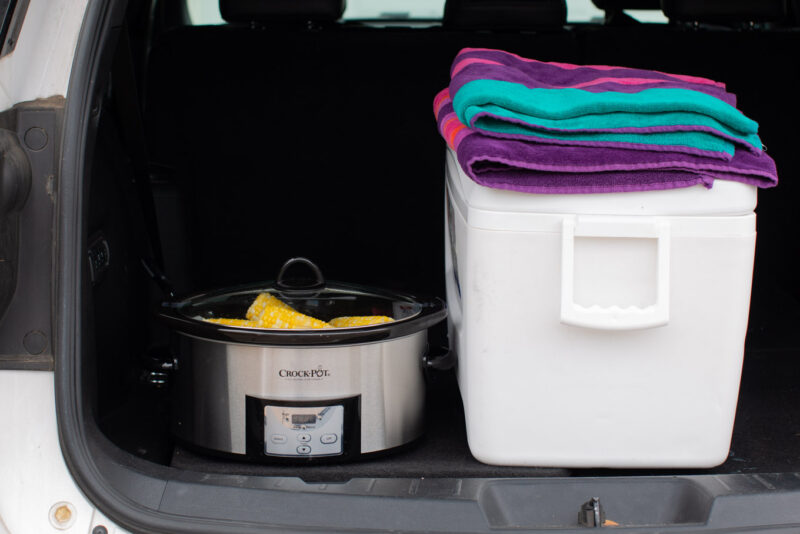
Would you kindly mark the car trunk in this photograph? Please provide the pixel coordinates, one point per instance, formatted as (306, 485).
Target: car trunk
(264, 143)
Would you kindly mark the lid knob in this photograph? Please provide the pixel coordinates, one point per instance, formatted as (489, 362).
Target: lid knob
(300, 286)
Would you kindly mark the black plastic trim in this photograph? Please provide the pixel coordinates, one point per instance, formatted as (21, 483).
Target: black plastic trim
(10, 30)
(30, 147)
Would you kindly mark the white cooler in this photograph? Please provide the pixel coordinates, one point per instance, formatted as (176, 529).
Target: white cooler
(602, 330)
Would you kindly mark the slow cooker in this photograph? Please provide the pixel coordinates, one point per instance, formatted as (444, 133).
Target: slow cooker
(300, 395)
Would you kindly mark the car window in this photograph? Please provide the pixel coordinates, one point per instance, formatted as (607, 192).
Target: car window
(204, 12)
(394, 9)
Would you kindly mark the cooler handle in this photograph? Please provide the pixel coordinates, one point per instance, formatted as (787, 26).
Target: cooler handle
(614, 317)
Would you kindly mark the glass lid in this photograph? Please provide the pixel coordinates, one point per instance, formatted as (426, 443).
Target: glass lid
(331, 305)
(301, 310)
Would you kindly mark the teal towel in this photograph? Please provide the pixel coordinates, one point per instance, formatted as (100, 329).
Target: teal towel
(606, 127)
(668, 118)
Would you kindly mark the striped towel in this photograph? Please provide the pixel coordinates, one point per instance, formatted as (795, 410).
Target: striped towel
(507, 96)
(532, 167)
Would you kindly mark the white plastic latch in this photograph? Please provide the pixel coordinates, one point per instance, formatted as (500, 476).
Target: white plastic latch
(614, 317)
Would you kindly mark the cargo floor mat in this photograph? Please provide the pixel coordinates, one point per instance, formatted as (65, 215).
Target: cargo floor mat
(766, 432)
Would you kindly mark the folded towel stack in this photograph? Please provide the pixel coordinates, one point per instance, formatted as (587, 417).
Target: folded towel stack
(526, 125)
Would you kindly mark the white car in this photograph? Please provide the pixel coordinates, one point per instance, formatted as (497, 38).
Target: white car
(151, 150)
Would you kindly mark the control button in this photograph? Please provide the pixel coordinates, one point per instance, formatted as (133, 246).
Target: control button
(303, 449)
(277, 438)
(303, 438)
(328, 438)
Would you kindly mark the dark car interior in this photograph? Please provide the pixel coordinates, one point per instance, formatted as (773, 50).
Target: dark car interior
(223, 150)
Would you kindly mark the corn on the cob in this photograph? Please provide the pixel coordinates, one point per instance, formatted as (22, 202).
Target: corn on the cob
(280, 317)
(270, 312)
(362, 320)
(233, 322)
(263, 301)
(267, 311)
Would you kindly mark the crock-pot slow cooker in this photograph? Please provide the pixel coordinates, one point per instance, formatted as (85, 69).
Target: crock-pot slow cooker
(300, 395)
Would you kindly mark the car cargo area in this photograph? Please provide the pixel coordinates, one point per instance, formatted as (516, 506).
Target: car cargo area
(263, 142)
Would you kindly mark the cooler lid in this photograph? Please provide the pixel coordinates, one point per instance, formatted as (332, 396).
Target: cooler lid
(724, 198)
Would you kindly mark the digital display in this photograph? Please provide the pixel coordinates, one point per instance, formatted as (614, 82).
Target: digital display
(304, 418)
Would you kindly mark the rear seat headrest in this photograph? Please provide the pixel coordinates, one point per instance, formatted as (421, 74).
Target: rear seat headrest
(726, 11)
(504, 14)
(281, 10)
(615, 5)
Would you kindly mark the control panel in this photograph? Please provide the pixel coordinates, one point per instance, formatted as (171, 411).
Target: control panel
(303, 430)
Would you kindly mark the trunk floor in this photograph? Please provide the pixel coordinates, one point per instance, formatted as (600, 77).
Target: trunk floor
(766, 437)
(441, 452)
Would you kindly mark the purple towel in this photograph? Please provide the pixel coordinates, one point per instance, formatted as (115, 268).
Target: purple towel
(481, 63)
(540, 168)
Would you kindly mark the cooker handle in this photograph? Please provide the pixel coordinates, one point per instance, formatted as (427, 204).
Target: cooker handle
(439, 357)
(159, 364)
(283, 285)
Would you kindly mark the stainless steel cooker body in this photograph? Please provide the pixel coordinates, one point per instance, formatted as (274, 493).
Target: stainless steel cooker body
(327, 394)
(266, 401)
